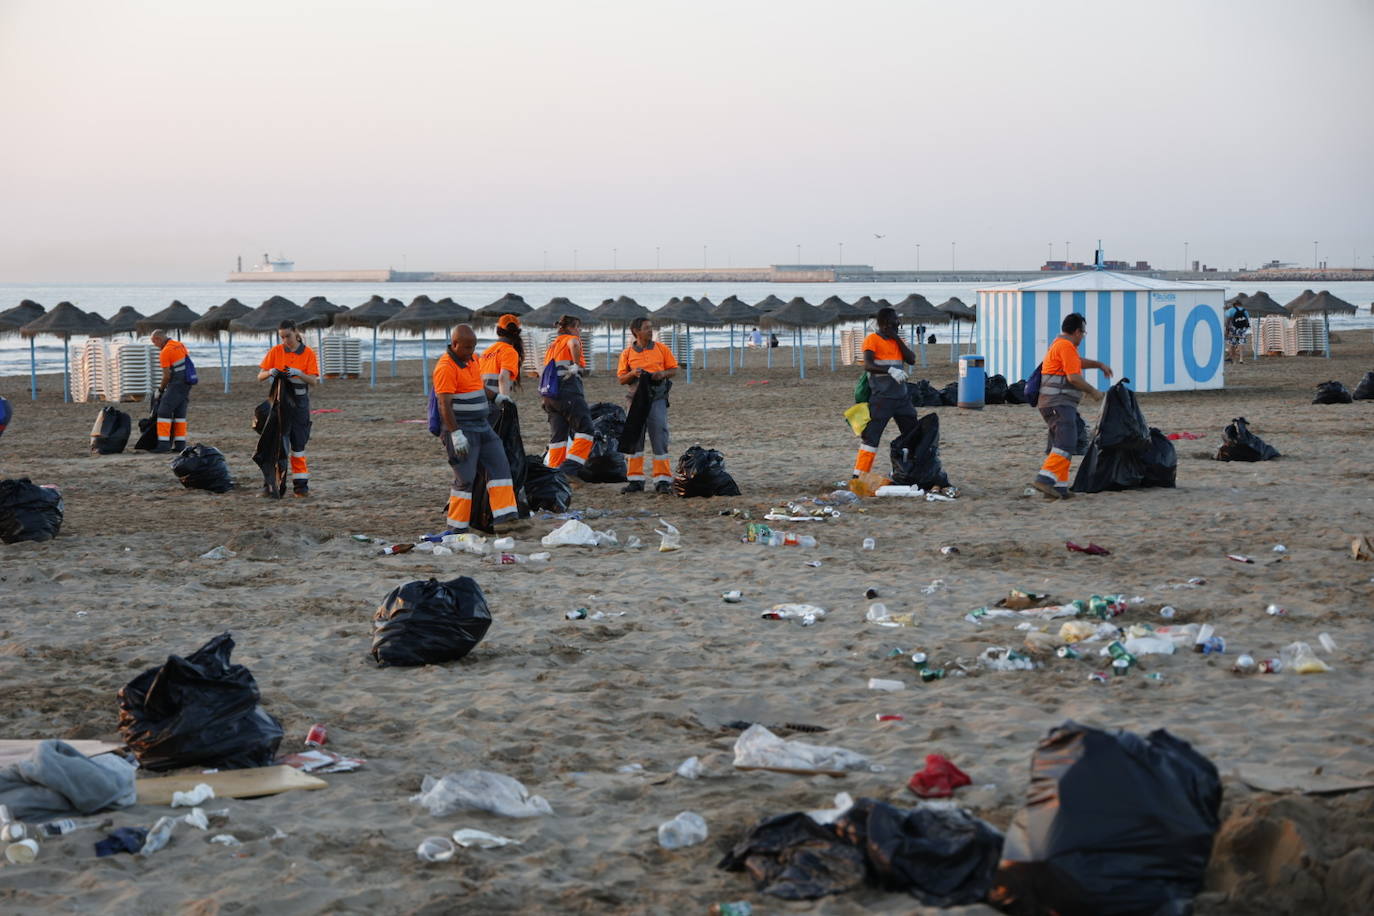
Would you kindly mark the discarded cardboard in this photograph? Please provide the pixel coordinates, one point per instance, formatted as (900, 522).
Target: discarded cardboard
(248, 783)
(1267, 778)
(13, 750)
(1362, 548)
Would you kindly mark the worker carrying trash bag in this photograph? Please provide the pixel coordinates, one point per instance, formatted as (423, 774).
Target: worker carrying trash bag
(501, 364)
(469, 439)
(885, 356)
(174, 393)
(564, 366)
(1062, 386)
(647, 366)
(293, 360)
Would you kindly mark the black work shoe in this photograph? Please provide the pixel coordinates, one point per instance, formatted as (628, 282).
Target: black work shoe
(1045, 487)
(162, 448)
(1065, 492)
(634, 486)
(663, 487)
(300, 492)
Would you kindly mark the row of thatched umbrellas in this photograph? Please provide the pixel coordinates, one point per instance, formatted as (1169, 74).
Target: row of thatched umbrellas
(1305, 303)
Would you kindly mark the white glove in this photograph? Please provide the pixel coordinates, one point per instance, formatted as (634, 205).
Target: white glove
(295, 373)
(898, 375)
(459, 441)
(504, 399)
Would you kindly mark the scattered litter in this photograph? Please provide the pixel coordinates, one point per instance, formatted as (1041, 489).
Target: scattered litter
(159, 836)
(687, 829)
(805, 614)
(1001, 658)
(125, 839)
(949, 550)
(218, 553)
(669, 537)
(869, 544)
(1276, 610)
(21, 852)
(899, 490)
(1167, 612)
(814, 564)
(467, 837)
(435, 849)
(843, 802)
(200, 793)
(689, 768)
(583, 614)
(877, 683)
(734, 596)
(246, 783)
(1279, 548)
(479, 790)
(571, 533)
(630, 769)
(225, 839)
(1091, 550)
(316, 761)
(757, 748)
(1362, 548)
(197, 819)
(1328, 644)
(1299, 657)
(939, 779)
(1239, 558)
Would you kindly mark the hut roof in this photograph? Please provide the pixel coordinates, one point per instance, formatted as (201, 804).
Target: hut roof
(769, 303)
(956, 309)
(1261, 304)
(732, 310)
(548, 314)
(685, 311)
(368, 315)
(1322, 302)
(461, 312)
(124, 321)
(66, 320)
(797, 313)
(266, 318)
(916, 307)
(175, 317)
(619, 310)
(509, 304)
(217, 319)
(423, 314)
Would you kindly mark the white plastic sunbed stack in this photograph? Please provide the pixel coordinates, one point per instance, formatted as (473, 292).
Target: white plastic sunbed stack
(677, 342)
(88, 375)
(1311, 334)
(852, 347)
(1272, 331)
(341, 356)
(133, 370)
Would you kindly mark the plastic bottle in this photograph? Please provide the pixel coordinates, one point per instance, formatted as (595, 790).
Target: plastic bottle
(1245, 664)
(71, 824)
(397, 548)
(877, 683)
(806, 540)
(687, 829)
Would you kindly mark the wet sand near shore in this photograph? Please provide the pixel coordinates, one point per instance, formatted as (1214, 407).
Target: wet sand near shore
(562, 704)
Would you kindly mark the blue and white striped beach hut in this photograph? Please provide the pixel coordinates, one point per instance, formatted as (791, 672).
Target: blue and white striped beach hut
(1164, 335)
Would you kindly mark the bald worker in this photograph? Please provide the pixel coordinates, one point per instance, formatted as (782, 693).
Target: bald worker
(469, 440)
(173, 393)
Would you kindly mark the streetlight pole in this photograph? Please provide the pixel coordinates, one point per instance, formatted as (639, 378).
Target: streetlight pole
(799, 254)
(703, 257)
(1051, 257)
(1066, 254)
(918, 257)
(1315, 261)
(951, 255)
(841, 264)
(1185, 255)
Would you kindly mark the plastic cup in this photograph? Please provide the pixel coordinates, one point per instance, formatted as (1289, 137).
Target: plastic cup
(21, 853)
(435, 849)
(13, 832)
(869, 543)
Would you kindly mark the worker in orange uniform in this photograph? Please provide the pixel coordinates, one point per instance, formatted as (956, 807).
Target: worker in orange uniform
(885, 357)
(1062, 386)
(468, 437)
(648, 362)
(173, 393)
(568, 412)
(501, 363)
(296, 362)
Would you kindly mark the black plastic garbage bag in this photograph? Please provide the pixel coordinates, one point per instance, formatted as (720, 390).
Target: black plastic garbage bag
(147, 428)
(949, 395)
(793, 857)
(1114, 824)
(1115, 459)
(508, 430)
(605, 464)
(1109, 469)
(29, 512)
(701, 472)
(916, 455)
(995, 390)
(1159, 462)
(545, 487)
(429, 622)
(923, 394)
(1364, 391)
(1332, 393)
(1121, 424)
(944, 856)
(198, 711)
(1016, 392)
(1243, 445)
(111, 431)
(202, 467)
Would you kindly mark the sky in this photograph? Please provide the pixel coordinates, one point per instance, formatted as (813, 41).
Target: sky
(161, 139)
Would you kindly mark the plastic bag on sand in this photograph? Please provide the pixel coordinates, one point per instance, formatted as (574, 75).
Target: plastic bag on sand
(202, 467)
(1160, 461)
(429, 622)
(1364, 391)
(572, 533)
(545, 487)
(198, 711)
(758, 747)
(1332, 393)
(479, 790)
(687, 829)
(29, 512)
(669, 537)
(1243, 445)
(110, 433)
(1114, 824)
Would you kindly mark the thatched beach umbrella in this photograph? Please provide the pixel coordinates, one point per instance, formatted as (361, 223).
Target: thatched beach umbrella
(733, 311)
(1261, 304)
(64, 321)
(768, 304)
(422, 316)
(686, 312)
(461, 313)
(266, 319)
(216, 322)
(916, 309)
(958, 312)
(619, 311)
(370, 315)
(176, 317)
(318, 312)
(547, 315)
(509, 304)
(124, 321)
(11, 320)
(1324, 304)
(797, 314)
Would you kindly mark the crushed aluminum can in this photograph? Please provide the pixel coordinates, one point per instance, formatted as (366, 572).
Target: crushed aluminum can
(888, 717)
(932, 674)
(577, 614)
(1098, 676)
(1276, 610)
(317, 736)
(949, 550)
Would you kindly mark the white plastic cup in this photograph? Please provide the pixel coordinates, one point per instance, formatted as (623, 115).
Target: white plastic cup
(869, 543)
(435, 849)
(21, 853)
(13, 832)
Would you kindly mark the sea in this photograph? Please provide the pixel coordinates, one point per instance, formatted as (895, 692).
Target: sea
(107, 298)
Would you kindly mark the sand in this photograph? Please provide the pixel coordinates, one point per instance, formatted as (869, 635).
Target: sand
(561, 705)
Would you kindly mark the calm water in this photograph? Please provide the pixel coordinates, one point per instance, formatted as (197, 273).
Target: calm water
(106, 299)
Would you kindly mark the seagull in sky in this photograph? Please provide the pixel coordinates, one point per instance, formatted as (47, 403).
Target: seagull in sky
(877, 236)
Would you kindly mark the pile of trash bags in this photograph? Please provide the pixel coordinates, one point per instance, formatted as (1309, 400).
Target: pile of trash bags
(1126, 453)
(916, 455)
(29, 512)
(701, 472)
(1332, 393)
(923, 394)
(1016, 392)
(508, 430)
(545, 487)
(942, 856)
(1364, 391)
(1243, 445)
(198, 711)
(605, 464)
(429, 622)
(110, 434)
(1113, 824)
(995, 390)
(202, 467)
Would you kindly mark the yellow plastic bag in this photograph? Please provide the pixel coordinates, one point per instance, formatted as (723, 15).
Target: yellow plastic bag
(868, 484)
(857, 418)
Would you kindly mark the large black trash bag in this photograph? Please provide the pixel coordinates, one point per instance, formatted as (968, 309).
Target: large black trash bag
(147, 428)
(916, 455)
(1364, 391)
(111, 431)
(29, 512)
(202, 467)
(1159, 462)
(198, 711)
(508, 430)
(923, 394)
(1332, 393)
(949, 395)
(995, 390)
(944, 856)
(1121, 424)
(545, 487)
(426, 623)
(1114, 825)
(1109, 469)
(1243, 445)
(1115, 458)
(793, 857)
(701, 472)
(605, 464)
(1016, 392)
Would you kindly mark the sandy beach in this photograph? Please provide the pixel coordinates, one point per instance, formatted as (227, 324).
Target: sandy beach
(563, 704)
